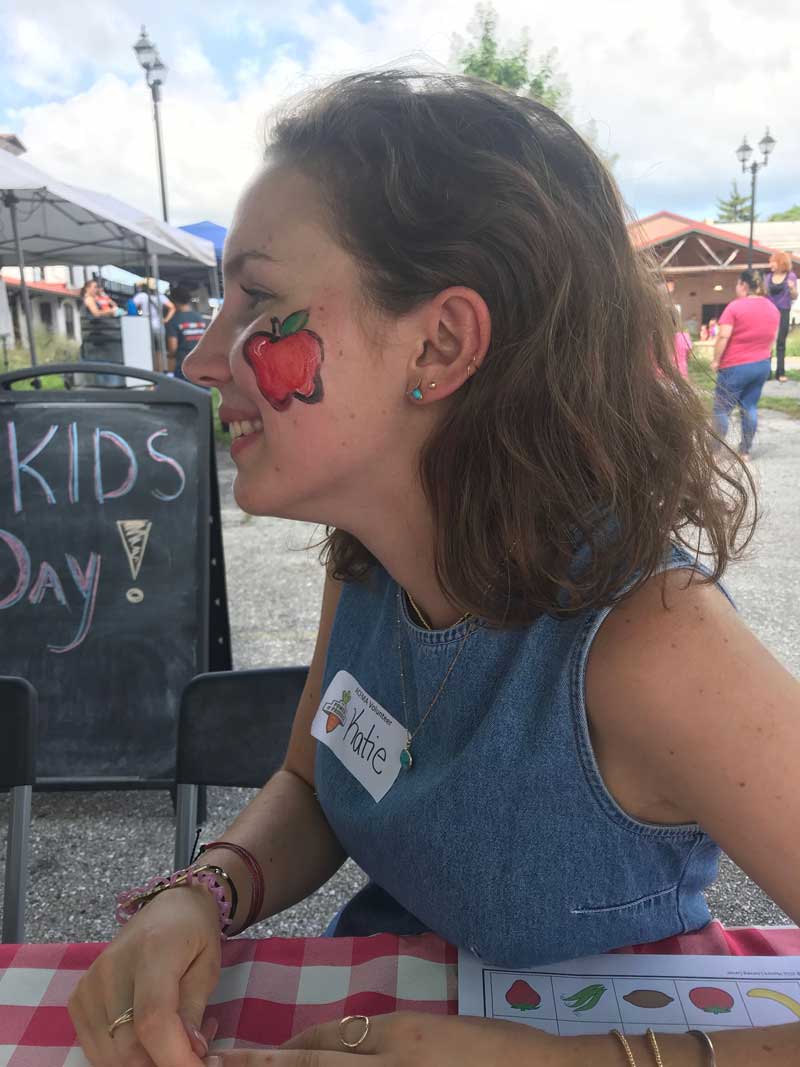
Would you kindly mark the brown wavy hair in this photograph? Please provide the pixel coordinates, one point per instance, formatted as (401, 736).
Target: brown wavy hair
(578, 432)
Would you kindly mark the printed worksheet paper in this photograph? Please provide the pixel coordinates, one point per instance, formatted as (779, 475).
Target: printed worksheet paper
(668, 993)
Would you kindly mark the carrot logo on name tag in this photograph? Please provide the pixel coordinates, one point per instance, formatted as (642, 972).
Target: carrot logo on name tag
(361, 734)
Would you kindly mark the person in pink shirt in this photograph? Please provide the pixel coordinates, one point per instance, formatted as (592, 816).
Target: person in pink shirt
(742, 355)
(683, 347)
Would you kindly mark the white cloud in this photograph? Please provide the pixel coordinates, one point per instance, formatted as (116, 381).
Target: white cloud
(671, 90)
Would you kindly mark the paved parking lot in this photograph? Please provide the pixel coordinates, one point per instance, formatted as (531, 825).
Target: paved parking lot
(85, 846)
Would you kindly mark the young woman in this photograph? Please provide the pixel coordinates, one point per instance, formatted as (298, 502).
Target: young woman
(96, 300)
(529, 717)
(747, 329)
(780, 285)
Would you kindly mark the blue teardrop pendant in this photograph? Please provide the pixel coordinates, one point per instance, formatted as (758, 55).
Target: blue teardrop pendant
(405, 759)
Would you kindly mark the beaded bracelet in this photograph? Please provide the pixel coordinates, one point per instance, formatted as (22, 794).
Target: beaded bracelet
(256, 876)
(130, 901)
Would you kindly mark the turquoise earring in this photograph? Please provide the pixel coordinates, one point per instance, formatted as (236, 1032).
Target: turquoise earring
(416, 392)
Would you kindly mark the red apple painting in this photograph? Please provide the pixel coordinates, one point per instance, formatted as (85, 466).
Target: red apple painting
(287, 361)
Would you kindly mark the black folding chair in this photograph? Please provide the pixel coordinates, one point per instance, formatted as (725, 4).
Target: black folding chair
(17, 774)
(233, 729)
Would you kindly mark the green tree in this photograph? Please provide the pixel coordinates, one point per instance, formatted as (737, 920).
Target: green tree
(512, 68)
(735, 209)
(792, 214)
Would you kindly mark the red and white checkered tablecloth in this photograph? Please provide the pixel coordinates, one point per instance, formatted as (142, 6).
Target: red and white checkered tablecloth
(272, 989)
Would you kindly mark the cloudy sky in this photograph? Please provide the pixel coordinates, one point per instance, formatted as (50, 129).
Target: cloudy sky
(671, 87)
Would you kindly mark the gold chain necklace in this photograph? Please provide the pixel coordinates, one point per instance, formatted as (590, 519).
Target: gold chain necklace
(406, 760)
(424, 622)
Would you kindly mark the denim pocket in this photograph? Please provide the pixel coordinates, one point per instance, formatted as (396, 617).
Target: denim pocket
(630, 905)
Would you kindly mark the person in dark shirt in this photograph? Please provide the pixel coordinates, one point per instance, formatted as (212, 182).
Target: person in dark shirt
(185, 329)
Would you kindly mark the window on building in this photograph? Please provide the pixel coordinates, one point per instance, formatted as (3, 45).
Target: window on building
(69, 319)
(46, 315)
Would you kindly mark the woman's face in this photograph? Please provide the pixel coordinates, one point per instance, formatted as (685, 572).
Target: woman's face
(296, 353)
(742, 289)
(773, 266)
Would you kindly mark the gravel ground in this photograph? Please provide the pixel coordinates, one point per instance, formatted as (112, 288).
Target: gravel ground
(86, 846)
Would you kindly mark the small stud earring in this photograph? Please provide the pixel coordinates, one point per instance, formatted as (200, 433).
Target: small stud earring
(432, 385)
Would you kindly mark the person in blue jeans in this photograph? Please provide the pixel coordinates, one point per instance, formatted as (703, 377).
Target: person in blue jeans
(742, 353)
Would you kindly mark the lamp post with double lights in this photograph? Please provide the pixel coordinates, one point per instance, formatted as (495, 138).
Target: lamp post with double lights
(155, 74)
(743, 153)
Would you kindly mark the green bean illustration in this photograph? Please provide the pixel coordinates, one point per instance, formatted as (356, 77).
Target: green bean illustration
(585, 999)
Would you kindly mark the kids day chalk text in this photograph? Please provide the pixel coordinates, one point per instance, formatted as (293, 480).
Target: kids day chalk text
(20, 579)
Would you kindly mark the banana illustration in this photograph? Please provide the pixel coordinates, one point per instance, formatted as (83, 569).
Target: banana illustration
(780, 998)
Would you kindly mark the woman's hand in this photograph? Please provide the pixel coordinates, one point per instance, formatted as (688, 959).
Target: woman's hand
(714, 366)
(405, 1039)
(164, 964)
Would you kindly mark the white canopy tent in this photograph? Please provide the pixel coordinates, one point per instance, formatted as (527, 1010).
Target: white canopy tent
(47, 222)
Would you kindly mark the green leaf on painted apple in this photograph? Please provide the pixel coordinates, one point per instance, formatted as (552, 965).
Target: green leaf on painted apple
(294, 323)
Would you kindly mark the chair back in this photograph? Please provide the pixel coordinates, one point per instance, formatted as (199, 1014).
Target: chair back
(18, 708)
(233, 730)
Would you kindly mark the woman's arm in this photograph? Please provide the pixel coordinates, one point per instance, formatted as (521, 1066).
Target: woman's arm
(91, 306)
(792, 282)
(284, 826)
(169, 309)
(720, 345)
(712, 722)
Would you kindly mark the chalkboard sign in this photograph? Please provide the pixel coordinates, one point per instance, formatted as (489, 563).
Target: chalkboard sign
(106, 534)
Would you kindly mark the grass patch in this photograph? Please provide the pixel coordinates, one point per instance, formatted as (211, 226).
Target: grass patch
(793, 342)
(703, 380)
(46, 381)
(785, 404)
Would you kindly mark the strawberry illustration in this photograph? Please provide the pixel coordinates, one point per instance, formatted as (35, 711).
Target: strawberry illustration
(287, 361)
(522, 996)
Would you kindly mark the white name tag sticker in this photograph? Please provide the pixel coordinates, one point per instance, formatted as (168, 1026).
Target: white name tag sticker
(361, 734)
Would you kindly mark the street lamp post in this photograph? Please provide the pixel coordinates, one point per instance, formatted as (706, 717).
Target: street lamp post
(743, 153)
(155, 75)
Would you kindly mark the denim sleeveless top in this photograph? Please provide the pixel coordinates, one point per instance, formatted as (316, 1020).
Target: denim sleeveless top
(502, 838)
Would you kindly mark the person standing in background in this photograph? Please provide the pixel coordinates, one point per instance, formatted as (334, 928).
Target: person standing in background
(185, 329)
(747, 328)
(683, 348)
(780, 284)
(150, 302)
(96, 301)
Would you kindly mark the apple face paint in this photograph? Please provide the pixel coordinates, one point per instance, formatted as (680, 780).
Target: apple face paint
(287, 361)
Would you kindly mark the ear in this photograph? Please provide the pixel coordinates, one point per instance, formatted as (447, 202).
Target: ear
(457, 328)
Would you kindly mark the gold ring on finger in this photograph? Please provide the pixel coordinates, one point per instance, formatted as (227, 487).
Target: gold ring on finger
(349, 1019)
(126, 1017)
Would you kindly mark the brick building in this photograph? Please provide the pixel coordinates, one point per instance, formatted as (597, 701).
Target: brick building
(701, 261)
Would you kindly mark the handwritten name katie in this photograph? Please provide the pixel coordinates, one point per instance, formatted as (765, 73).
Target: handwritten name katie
(21, 580)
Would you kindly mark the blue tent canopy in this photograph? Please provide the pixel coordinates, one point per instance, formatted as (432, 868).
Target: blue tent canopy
(211, 232)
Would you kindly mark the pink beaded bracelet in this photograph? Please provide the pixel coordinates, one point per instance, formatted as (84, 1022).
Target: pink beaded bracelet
(212, 878)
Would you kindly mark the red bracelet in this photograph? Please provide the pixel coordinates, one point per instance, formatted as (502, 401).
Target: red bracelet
(256, 877)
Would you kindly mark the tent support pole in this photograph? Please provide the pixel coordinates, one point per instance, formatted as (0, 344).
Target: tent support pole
(10, 202)
(213, 277)
(148, 266)
(162, 340)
